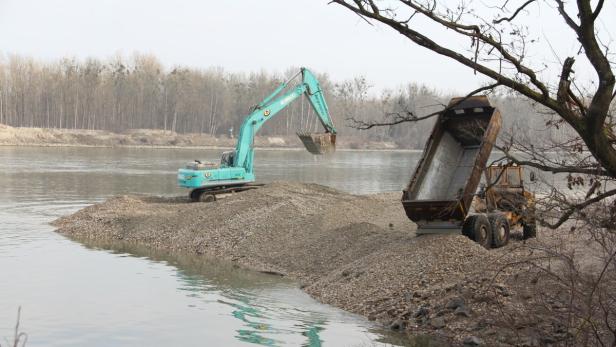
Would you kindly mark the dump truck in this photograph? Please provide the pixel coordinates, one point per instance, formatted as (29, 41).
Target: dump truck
(442, 195)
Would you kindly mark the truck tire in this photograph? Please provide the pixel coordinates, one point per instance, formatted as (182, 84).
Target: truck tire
(529, 230)
(500, 229)
(477, 228)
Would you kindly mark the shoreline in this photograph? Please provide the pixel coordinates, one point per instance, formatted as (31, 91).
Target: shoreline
(164, 139)
(291, 149)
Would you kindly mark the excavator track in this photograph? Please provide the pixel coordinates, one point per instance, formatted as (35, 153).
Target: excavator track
(209, 194)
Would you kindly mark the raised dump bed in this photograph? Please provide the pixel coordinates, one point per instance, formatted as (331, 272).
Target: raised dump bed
(441, 190)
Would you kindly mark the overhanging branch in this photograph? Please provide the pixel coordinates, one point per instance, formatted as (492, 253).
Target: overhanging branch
(578, 207)
(517, 11)
(411, 117)
(541, 96)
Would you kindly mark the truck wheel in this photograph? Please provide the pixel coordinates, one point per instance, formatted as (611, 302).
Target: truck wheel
(477, 228)
(207, 197)
(529, 230)
(500, 229)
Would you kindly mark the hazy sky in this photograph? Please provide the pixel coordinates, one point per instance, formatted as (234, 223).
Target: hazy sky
(239, 35)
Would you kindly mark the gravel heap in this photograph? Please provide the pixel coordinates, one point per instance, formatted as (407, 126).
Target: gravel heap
(359, 253)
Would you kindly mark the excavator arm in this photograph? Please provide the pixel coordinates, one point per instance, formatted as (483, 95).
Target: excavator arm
(272, 105)
(315, 96)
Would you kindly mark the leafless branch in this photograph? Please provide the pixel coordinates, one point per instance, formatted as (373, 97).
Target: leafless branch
(411, 117)
(597, 10)
(517, 11)
(578, 207)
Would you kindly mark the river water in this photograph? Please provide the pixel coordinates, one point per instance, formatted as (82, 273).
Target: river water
(73, 294)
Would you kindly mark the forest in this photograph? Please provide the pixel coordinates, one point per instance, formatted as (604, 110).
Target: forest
(140, 93)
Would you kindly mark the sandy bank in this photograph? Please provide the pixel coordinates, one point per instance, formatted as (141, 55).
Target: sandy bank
(355, 252)
(10, 136)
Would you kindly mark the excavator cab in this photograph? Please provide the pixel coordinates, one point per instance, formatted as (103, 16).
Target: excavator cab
(318, 143)
(227, 159)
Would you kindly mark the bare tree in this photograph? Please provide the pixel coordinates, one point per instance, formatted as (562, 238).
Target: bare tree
(499, 50)
(500, 47)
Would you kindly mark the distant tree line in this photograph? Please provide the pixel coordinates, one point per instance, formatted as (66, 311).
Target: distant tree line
(119, 94)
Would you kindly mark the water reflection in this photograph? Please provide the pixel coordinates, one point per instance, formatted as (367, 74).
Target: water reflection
(271, 310)
(121, 295)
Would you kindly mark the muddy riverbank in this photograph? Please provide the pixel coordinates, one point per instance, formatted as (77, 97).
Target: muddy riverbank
(358, 253)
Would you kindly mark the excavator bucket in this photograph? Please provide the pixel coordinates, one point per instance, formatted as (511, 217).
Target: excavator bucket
(317, 143)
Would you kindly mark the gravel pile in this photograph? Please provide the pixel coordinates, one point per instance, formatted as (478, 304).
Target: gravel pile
(359, 253)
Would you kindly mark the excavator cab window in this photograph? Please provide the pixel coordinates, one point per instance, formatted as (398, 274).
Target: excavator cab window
(227, 159)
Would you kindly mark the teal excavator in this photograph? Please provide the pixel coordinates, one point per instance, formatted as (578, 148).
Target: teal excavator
(235, 171)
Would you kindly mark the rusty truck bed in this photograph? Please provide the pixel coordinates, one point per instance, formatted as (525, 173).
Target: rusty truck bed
(440, 192)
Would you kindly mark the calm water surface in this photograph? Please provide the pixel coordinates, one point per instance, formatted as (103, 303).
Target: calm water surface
(110, 295)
